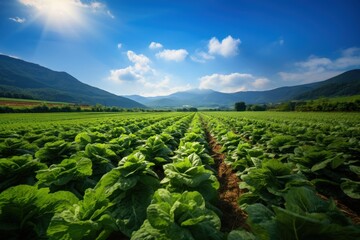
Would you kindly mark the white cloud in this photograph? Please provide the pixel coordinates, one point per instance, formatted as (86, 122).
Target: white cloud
(137, 71)
(233, 82)
(260, 83)
(314, 62)
(119, 45)
(349, 52)
(173, 55)
(127, 74)
(141, 78)
(155, 45)
(227, 47)
(94, 6)
(141, 62)
(162, 87)
(201, 57)
(18, 20)
(321, 68)
(349, 58)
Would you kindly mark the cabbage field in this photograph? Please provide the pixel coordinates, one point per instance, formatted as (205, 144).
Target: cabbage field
(180, 175)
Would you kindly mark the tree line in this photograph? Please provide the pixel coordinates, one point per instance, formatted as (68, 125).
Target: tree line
(322, 105)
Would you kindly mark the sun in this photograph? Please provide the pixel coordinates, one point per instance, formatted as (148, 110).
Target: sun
(59, 11)
(63, 16)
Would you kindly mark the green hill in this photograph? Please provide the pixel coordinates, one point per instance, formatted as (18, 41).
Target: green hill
(345, 84)
(22, 79)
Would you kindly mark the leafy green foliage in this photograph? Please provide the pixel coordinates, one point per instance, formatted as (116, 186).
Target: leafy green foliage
(124, 145)
(308, 156)
(270, 182)
(84, 138)
(189, 148)
(245, 156)
(54, 152)
(40, 142)
(179, 216)
(330, 168)
(111, 168)
(351, 188)
(155, 150)
(18, 170)
(102, 157)
(88, 219)
(306, 216)
(282, 143)
(169, 141)
(100, 152)
(240, 235)
(117, 132)
(319, 149)
(71, 174)
(15, 146)
(117, 203)
(193, 137)
(189, 174)
(68, 135)
(25, 211)
(229, 141)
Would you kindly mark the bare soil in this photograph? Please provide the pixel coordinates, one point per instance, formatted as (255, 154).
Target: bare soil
(233, 217)
(355, 218)
(17, 104)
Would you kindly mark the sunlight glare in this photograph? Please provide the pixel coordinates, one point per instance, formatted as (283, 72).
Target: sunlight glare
(63, 16)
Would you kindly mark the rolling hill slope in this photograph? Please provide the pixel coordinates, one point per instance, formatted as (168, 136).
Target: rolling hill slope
(24, 79)
(345, 84)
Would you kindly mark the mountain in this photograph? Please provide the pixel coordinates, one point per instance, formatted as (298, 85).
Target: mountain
(19, 78)
(28, 80)
(345, 84)
(178, 99)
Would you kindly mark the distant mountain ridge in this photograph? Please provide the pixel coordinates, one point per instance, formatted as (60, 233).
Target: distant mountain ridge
(345, 84)
(21, 78)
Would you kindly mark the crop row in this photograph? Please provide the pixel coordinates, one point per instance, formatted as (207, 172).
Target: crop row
(183, 208)
(146, 178)
(288, 170)
(151, 177)
(61, 172)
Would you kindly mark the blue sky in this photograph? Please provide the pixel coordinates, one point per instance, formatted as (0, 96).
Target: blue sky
(157, 47)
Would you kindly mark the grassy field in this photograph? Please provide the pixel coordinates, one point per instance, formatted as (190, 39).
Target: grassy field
(16, 120)
(340, 99)
(325, 117)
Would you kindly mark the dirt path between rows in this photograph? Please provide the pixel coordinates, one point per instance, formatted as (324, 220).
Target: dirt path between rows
(229, 191)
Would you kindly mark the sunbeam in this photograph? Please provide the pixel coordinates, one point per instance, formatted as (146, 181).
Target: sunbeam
(62, 16)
